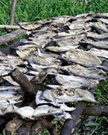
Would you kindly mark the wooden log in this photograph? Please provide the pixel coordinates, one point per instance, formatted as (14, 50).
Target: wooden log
(23, 81)
(11, 36)
(96, 110)
(13, 125)
(69, 124)
(9, 27)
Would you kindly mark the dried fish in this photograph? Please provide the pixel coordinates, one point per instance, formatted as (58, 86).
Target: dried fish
(100, 53)
(99, 44)
(97, 37)
(26, 41)
(25, 50)
(43, 54)
(77, 26)
(9, 98)
(81, 19)
(105, 21)
(9, 79)
(25, 112)
(40, 77)
(61, 49)
(100, 15)
(99, 25)
(81, 57)
(84, 72)
(71, 81)
(60, 96)
(69, 40)
(61, 19)
(30, 25)
(74, 31)
(83, 15)
(44, 61)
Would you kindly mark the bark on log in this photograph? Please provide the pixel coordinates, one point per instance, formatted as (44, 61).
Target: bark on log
(25, 84)
(96, 111)
(11, 36)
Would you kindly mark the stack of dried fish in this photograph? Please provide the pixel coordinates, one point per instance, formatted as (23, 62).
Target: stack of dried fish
(70, 50)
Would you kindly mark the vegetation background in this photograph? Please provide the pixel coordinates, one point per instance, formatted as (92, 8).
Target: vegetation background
(31, 10)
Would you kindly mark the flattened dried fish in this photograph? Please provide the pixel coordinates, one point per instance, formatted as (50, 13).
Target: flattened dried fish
(77, 26)
(61, 49)
(25, 112)
(4, 69)
(99, 44)
(81, 57)
(97, 37)
(9, 97)
(105, 21)
(83, 15)
(74, 31)
(43, 54)
(9, 79)
(85, 72)
(100, 53)
(44, 61)
(50, 110)
(57, 96)
(70, 81)
(99, 25)
(29, 113)
(100, 15)
(30, 25)
(25, 50)
(61, 19)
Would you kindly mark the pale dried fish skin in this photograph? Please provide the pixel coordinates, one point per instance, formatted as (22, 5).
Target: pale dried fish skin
(81, 57)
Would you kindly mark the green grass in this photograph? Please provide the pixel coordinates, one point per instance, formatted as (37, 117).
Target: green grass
(32, 10)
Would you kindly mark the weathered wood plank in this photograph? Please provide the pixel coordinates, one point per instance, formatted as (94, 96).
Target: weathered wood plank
(11, 36)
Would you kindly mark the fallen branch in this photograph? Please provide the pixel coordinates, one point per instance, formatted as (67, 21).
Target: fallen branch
(9, 27)
(69, 124)
(25, 84)
(11, 36)
(12, 12)
(96, 111)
